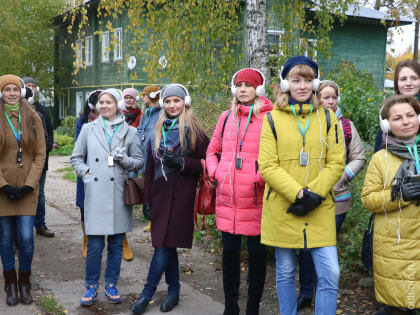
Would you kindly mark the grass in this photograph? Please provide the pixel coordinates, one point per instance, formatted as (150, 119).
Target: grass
(70, 176)
(65, 169)
(50, 306)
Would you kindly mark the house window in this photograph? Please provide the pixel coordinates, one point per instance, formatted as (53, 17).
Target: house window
(89, 51)
(105, 46)
(310, 49)
(273, 38)
(61, 107)
(79, 52)
(118, 44)
(79, 102)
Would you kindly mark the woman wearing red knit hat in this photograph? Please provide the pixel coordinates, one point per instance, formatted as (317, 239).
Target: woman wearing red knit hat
(232, 161)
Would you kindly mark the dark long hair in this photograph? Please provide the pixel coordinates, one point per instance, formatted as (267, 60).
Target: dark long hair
(27, 127)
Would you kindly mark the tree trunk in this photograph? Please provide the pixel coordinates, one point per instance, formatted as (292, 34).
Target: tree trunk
(256, 11)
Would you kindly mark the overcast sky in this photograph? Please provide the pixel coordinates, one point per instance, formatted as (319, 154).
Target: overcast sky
(403, 38)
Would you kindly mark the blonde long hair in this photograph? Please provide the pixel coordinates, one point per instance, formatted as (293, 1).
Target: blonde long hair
(185, 118)
(257, 106)
(28, 122)
(282, 98)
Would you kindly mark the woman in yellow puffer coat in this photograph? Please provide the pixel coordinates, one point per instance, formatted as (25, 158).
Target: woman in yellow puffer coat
(392, 191)
(300, 166)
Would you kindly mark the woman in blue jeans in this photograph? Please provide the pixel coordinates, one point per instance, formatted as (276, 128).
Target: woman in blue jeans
(301, 157)
(105, 151)
(22, 157)
(328, 96)
(173, 167)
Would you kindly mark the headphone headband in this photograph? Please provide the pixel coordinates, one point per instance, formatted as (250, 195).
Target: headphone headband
(284, 84)
(336, 85)
(260, 90)
(187, 99)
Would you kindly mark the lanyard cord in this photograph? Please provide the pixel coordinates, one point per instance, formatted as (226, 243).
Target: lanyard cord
(108, 138)
(246, 127)
(166, 133)
(303, 133)
(17, 134)
(416, 155)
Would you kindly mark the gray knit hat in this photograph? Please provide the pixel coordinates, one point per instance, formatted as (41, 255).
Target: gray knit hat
(27, 80)
(175, 89)
(118, 96)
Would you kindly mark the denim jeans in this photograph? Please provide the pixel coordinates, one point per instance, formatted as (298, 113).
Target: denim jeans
(307, 273)
(40, 210)
(95, 246)
(23, 228)
(328, 272)
(165, 259)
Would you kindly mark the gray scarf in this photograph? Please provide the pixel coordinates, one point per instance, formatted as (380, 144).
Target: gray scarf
(407, 168)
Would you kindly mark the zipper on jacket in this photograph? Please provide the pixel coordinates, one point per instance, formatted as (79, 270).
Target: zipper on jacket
(268, 194)
(336, 134)
(255, 185)
(305, 241)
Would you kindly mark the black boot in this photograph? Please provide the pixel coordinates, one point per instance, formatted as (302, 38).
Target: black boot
(25, 287)
(139, 306)
(169, 302)
(231, 280)
(257, 266)
(10, 286)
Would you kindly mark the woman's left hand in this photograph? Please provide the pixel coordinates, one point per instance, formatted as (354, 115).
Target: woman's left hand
(120, 155)
(173, 160)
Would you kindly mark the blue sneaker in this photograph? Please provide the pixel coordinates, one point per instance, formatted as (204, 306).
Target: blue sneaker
(89, 296)
(112, 294)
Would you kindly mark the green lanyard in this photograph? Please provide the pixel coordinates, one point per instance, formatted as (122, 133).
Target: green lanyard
(303, 133)
(148, 112)
(108, 138)
(246, 127)
(166, 133)
(416, 156)
(17, 134)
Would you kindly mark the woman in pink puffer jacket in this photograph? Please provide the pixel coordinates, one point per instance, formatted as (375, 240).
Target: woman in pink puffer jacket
(240, 187)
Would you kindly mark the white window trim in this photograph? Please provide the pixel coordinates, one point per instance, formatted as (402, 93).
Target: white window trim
(118, 45)
(79, 52)
(89, 50)
(61, 108)
(105, 45)
(278, 33)
(314, 44)
(79, 95)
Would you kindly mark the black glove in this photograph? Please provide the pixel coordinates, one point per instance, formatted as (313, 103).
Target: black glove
(310, 200)
(10, 191)
(173, 160)
(22, 191)
(410, 190)
(147, 211)
(297, 209)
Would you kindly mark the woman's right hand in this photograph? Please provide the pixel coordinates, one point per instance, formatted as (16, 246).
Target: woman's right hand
(86, 174)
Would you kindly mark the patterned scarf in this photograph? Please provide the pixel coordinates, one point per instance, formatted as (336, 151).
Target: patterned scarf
(11, 108)
(92, 116)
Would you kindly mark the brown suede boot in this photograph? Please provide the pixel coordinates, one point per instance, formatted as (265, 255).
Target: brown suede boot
(10, 286)
(127, 253)
(25, 287)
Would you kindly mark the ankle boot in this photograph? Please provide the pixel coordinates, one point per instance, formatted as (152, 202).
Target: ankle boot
(25, 287)
(10, 287)
(231, 278)
(127, 253)
(256, 275)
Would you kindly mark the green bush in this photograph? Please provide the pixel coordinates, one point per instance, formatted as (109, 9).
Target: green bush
(67, 127)
(360, 99)
(65, 144)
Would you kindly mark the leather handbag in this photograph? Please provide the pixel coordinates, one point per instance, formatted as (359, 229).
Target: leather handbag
(367, 246)
(133, 191)
(205, 198)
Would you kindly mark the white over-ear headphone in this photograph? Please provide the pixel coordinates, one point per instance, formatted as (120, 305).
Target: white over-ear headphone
(384, 123)
(154, 94)
(284, 83)
(120, 104)
(260, 90)
(92, 106)
(336, 85)
(187, 100)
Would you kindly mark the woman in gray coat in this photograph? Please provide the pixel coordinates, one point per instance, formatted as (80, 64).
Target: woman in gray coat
(110, 148)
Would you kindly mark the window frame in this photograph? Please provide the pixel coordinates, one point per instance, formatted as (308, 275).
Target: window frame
(118, 45)
(89, 50)
(105, 45)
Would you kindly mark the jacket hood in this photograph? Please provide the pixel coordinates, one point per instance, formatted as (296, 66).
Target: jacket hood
(303, 109)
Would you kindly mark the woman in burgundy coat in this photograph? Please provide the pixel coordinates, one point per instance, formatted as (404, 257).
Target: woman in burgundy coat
(172, 172)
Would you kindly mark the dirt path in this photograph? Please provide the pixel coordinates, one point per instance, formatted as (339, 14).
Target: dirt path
(58, 268)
